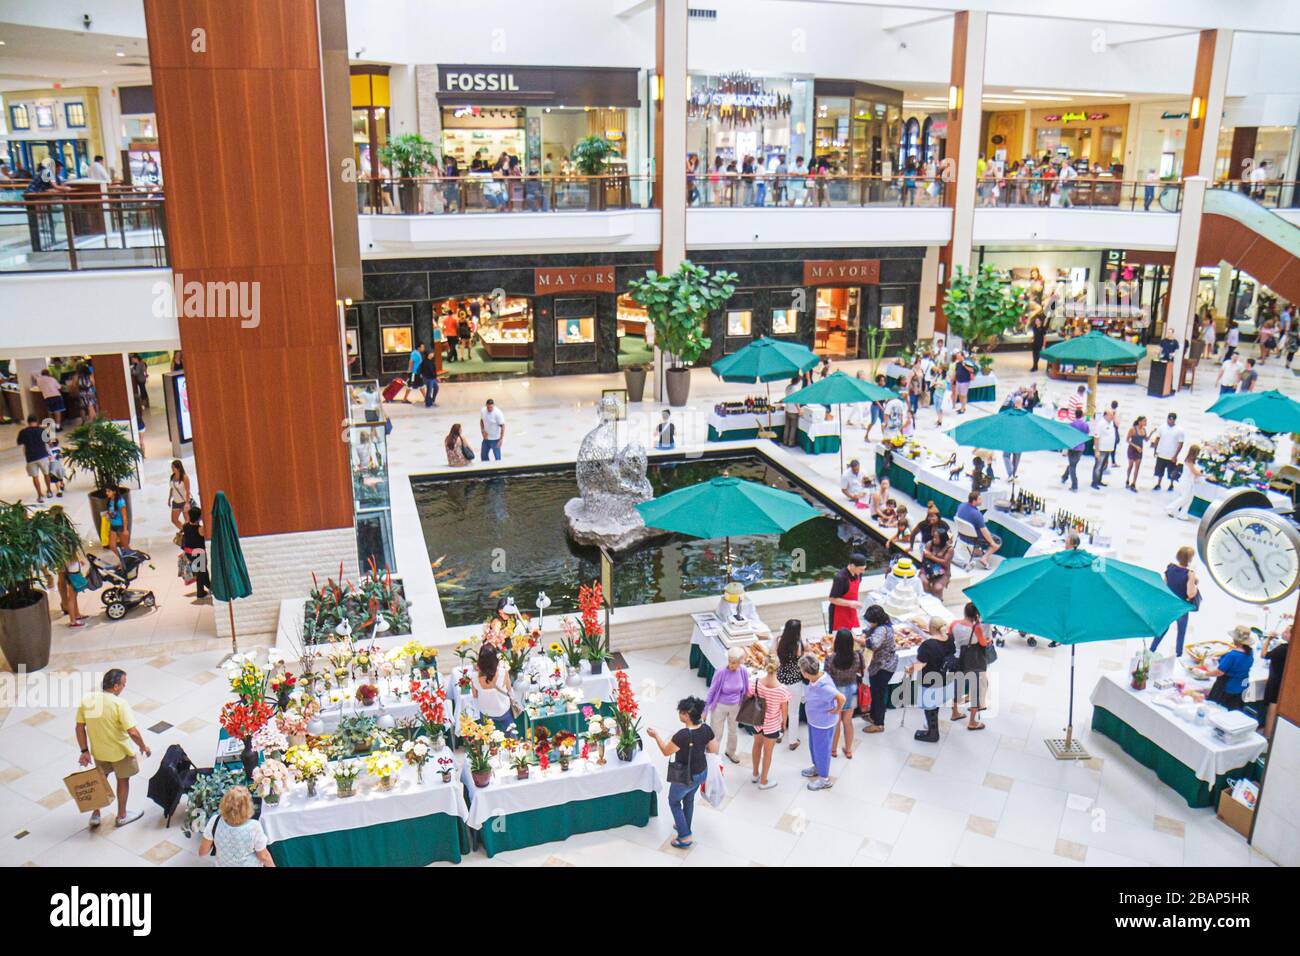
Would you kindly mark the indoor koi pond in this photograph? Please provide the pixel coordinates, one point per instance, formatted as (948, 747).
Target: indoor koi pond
(502, 533)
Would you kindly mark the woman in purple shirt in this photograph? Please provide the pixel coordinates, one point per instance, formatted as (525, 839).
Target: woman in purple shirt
(822, 704)
(729, 687)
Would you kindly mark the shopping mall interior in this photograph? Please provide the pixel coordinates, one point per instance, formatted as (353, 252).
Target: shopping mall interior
(401, 398)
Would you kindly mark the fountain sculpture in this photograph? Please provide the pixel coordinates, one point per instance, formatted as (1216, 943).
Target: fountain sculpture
(611, 482)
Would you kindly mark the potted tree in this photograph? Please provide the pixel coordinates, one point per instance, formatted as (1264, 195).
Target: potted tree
(679, 305)
(34, 546)
(590, 156)
(409, 155)
(980, 308)
(107, 452)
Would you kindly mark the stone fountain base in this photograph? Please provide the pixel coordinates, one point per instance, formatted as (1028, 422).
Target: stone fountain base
(613, 530)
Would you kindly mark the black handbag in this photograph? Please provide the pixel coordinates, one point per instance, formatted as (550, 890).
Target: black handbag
(680, 772)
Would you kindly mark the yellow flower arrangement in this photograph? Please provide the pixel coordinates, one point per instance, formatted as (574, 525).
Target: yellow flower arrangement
(308, 761)
(383, 763)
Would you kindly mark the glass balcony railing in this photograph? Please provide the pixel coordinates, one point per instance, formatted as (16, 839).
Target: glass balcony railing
(786, 190)
(1102, 192)
(54, 232)
(491, 193)
(1269, 193)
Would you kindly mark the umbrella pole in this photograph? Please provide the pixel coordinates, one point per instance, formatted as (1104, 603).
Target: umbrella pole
(1069, 748)
(1094, 372)
(769, 433)
(234, 641)
(839, 415)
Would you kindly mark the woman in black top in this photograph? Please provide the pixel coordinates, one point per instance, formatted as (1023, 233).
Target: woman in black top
(1276, 657)
(688, 747)
(195, 548)
(931, 656)
(788, 648)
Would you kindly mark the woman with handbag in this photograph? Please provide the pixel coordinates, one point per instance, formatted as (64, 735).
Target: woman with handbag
(822, 705)
(459, 454)
(1181, 580)
(179, 498)
(847, 668)
(973, 647)
(1232, 672)
(690, 765)
(884, 661)
(727, 691)
(72, 581)
(786, 650)
(776, 702)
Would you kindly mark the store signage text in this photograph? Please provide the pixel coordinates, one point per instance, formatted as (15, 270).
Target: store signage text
(573, 279)
(1073, 117)
(479, 82)
(841, 272)
(1169, 115)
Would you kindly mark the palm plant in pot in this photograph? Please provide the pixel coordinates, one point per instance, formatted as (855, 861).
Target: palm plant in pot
(679, 305)
(409, 155)
(590, 157)
(106, 451)
(34, 546)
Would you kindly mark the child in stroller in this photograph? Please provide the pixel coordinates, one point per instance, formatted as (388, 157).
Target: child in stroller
(117, 569)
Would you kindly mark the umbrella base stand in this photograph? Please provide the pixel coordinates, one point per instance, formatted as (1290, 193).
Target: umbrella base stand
(767, 433)
(1067, 748)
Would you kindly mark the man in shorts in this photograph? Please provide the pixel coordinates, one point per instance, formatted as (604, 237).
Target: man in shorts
(962, 375)
(105, 730)
(32, 438)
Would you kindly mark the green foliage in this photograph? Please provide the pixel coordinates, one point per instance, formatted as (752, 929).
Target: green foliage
(203, 799)
(354, 734)
(590, 155)
(979, 307)
(409, 154)
(679, 305)
(33, 546)
(103, 449)
(877, 343)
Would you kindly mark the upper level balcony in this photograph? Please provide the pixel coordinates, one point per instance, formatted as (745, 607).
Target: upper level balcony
(61, 231)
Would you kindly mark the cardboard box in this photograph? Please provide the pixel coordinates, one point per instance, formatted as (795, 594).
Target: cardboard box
(1235, 813)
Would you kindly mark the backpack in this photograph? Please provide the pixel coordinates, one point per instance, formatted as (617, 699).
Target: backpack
(176, 774)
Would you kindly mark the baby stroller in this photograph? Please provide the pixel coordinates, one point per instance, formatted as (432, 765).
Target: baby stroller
(117, 570)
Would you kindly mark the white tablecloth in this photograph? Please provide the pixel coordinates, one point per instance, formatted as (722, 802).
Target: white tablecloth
(594, 688)
(299, 815)
(1209, 491)
(744, 421)
(584, 780)
(1191, 745)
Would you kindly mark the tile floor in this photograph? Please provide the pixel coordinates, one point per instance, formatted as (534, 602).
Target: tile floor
(991, 798)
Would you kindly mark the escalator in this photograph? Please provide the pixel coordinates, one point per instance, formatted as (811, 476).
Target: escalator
(1238, 230)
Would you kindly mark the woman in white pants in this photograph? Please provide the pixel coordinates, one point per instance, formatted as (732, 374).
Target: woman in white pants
(1186, 485)
(787, 648)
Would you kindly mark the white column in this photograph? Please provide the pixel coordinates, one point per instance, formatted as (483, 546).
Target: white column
(1184, 277)
(929, 289)
(1223, 289)
(670, 163)
(971, 93)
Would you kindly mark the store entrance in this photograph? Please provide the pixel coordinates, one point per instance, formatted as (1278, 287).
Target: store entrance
(839, 320)
(493, 335)
(633, 335)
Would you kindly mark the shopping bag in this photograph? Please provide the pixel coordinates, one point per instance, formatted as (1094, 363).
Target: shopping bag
(103, 530)
(89, 789)
(715, 787)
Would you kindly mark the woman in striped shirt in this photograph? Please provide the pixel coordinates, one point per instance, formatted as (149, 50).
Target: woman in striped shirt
(776, 703)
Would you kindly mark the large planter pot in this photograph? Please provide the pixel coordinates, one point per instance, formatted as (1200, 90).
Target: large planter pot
(97, 505)
(408, 193)
(679, 386)
(596, 194)
(634, 378)
(25, 634)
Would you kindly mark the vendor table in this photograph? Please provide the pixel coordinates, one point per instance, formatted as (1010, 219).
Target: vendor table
(1204, 492)
(983, 388)
(914, 479)
(742, 426)
(509, 814)
(1184, 756)
(594, 688)
(412, 824)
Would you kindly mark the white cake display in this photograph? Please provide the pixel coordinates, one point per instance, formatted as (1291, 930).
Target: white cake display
(901, 595)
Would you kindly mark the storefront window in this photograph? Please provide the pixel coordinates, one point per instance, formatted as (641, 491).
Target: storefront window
(785, 321)
(735, 115)
(575, 331)
(891, 317)
(838, 320)
(740, 323)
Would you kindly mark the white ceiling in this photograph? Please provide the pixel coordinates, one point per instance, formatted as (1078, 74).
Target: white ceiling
(39, 56)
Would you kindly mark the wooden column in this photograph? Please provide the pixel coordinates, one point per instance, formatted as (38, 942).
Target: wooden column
(113, 387)
(241, 117)
(1205, 107)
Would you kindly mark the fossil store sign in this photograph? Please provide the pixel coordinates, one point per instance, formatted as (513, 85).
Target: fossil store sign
(573, 279)
(841, 272)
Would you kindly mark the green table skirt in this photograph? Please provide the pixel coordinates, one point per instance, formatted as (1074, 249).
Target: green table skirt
(947, 506)
(899, 477)
(984, 393)
(821, 445)
(1013, 546)
(1171, 771)
(739, 434)
(549, 824)
(700, 664)
(573, 722)
(415, 842)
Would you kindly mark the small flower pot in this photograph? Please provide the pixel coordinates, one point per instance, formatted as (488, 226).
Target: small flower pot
(521, 773)
(386, 783)
(597, 667)
(446, 776)
(272, 798)
(481, 777)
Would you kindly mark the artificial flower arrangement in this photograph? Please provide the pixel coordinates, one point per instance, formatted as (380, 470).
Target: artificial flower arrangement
(247, 680)
(599, 729)
(565, 743)
(345, 774)
(242, 719)
(355, 734)
(271, 779)
(571, 697)
(626, 718)
(377, 598)
(519, 754)
(282, 687)
(384, 765)
(476, 737)
(270, 740)
(542, 746)
(1239, 456)
(293, 722)
(591, 631)
(367, 694)
(432, 703)
(570, 643)
(310, 765)
(555, 652)
(464, 650)
(515, 651)
(417, 753)
(362, 659)
(445, 764)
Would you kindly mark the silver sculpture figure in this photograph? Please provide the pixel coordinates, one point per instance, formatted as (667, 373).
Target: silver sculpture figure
(611, 482)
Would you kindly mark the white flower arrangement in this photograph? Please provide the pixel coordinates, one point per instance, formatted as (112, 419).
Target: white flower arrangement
(272, 778)
(383, 763)
(308, 762)
(417, 751)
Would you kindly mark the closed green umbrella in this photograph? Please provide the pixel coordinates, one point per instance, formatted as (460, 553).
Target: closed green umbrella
(1094, 350)
(226, 561)
(840, 389)
(1269, 411)
(1074, 597)
(723, 506)
(765, 360)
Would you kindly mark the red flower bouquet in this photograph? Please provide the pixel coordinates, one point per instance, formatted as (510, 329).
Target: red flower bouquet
(627, 717)
(367, 694)
(242, 719)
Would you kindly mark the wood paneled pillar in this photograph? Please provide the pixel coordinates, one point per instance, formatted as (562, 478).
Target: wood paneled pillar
(241, 117)
(113, 387)
(1205, 107)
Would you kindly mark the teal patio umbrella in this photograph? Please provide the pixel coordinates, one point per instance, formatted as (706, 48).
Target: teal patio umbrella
(1269, 411)
(723, 506)
(1094, 350)
(1074, 597)
(226, 562)
(1015, 430)
(840, 389)
(765, 360)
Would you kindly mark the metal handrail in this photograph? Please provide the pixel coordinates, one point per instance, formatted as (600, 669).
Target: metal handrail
(499, 192)
(59, 231)
(1270, 193)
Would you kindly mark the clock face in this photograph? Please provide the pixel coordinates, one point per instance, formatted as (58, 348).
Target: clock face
(1254, 555)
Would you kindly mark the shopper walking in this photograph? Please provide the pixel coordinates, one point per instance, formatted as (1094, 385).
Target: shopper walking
(1229, 375)
(429, 376)
(106, 729)
(195, 548)
(935, 657)
(413, 377)
(971, 642)
(776, 703)
(1168, 440)
(786, 650)
(238, 839)
(1105, 438)
(37, 456)
(1187, 478)
(884, 661)
(730, 685)
(689, 748)
(179, 497)
(140, 379)
(1073, 455)
(822, 706)
(1136, 441)
(52, 394)
(71, 582)
(847, 668)
(1181, 581)
(492, 425)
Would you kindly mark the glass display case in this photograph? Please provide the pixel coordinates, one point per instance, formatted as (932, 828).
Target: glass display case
(365, 402)
(368, 461)
(785, 321)
(740, 323)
